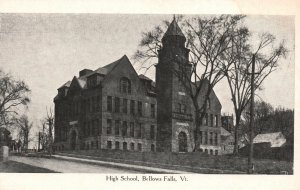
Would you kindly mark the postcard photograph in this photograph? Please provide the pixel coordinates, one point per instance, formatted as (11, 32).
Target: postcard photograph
(147, 94)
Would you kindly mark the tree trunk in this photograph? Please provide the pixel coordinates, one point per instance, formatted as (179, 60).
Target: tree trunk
(197, 131)
(236, 136)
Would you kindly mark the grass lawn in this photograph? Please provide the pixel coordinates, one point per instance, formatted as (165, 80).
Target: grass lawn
(189, 161)
(16, 167)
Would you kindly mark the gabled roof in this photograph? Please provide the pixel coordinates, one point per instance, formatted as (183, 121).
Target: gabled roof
(224, 132)
(276, 139)
(67, 84)
(173, 30)
(141, 76)
(101, 70)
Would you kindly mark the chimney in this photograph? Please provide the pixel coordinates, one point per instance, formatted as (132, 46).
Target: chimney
(84, 72)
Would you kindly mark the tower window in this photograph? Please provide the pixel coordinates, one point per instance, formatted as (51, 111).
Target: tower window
(125, 85)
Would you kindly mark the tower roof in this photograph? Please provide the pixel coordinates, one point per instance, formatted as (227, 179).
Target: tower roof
(174, 29)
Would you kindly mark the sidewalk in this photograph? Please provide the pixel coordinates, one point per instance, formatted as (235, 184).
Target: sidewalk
(144, 169)
(66, 166)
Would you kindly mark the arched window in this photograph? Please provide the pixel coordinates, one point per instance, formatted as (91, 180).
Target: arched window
(125, 85)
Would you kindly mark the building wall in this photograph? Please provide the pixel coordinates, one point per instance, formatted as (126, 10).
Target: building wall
(91, 128)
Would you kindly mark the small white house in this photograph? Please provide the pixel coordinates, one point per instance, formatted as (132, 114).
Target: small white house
(275, 139)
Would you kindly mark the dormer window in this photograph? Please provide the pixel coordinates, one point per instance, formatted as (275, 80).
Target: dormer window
(63, 91)
(125, 85)
(93, 80)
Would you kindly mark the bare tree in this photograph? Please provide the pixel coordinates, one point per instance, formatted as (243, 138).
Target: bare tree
(24, 127)
(43, 134)
(208, 39)
(237, 75)
(13, 93)
(50, 121)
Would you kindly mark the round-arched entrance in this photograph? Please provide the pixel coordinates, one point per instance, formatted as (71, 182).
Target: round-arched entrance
(73, 140)
(182, 142)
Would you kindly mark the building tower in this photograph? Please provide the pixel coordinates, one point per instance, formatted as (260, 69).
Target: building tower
(174, 117)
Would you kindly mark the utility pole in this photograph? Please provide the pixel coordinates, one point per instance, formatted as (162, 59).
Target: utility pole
(250, 158)
(39, 142)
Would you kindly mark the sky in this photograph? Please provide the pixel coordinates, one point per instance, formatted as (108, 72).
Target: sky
(46, 50)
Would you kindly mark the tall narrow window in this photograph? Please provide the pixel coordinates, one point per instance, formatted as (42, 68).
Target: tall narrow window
(131, 146)
(125, 85)
(211, 120)
(211, 138)
(140, 108)
(152, 132)
(117, 127)
(139, 147)
(98, 103)
(132, 105)
(124, 129)
(117, 104)
(109, 145)
(99, 125)
(152, 148)
(91, 104)
(94, 128)
(216, 138)
(109, 127)
(125, 105)
(206, 138)
(88, 105)
(124, 145)
(139, 131)
(131, 129)
(88, 129)
(205, 119)
(84, 129)
(117, 145)
(216, 121)
(153, 110)
(109, 103)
